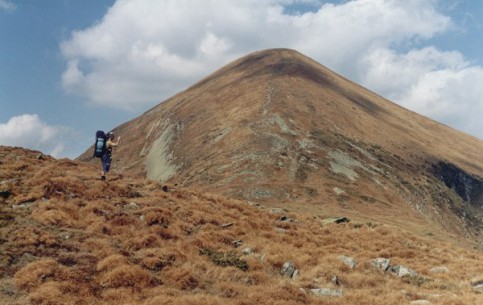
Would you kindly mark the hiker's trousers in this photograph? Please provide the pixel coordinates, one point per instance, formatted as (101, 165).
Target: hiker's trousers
(106, 162)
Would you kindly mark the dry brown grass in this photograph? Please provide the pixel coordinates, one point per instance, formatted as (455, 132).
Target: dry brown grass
(84, 241)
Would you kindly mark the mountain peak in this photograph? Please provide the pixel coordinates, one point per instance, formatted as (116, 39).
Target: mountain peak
(277, 127)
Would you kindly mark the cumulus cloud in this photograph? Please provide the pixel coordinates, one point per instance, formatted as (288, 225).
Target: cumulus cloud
(441, 85)
(29, 131)
(7, 5)
(143, 51)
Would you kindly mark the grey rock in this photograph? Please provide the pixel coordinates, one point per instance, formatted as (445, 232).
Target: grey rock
(23, 205)
(237, 243)
(335, 280)
(327, 292)
(477, 284)
(381, 263)
(278, 211)
(401, 271)
(336, 220)
(247, 251)
(439, 270)
(131, 206)
(286, 219)
(349, 261)
(281, 230)
(289, 270)
(421, 302)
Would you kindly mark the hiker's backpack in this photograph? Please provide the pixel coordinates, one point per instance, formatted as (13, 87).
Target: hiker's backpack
(100, 145)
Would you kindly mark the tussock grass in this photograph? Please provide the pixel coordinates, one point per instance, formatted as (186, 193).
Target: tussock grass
(84, 241)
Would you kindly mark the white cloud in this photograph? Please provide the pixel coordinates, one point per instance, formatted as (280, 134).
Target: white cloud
(7, 5)
(441, 85)
(144, 51)
(29, 131)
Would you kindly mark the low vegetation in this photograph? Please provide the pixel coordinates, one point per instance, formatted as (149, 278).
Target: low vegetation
(66, 237)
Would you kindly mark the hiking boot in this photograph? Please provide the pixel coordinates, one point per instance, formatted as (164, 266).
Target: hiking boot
(103, 178)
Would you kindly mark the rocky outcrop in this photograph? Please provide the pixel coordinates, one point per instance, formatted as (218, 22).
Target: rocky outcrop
(468, 187)
(348, 261)
(289, 270)
(327, 292)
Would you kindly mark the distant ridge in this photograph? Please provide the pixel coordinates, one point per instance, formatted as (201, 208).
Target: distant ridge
(277, 127)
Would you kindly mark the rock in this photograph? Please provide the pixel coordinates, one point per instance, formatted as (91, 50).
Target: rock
(286, 219)
(336, 220)
(278, 211)
(327, 292)
(131, 206)
(237, 243)
(22, 205)
(281, 230)
(349, 261)
(421, 302)
(478, 288)
(381, 263)
(289, 270)
(477, 285)
(401, 271)
(338, 191)
(247, 251)
(439, 270)
(335, 280)
(5, 194)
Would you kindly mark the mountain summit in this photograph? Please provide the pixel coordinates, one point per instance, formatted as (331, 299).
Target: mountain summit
(279, 128)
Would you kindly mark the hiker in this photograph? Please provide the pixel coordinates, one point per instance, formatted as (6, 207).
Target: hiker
(107, 156)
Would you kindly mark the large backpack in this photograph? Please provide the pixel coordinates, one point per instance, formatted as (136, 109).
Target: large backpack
(100, 145)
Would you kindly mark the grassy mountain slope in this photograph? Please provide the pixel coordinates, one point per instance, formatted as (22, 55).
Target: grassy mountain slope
(278, 128)
(67, 237)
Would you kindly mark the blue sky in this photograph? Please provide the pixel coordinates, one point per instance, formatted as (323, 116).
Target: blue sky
(70, 67)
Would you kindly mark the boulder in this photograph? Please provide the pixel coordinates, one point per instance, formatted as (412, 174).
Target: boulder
(477, 285)
(336, 220)
(286, 219)
(478, 288)
(281, 230)
(278, 211)
(381, 263)
(289, 270)
(247, 251)
(131, 206)
(421, 302)
(327, 292)
(349, 261)
(335, 280)
(237, 243)
(227, 225)
(439, 270)
(23, 205)
(401, 271)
